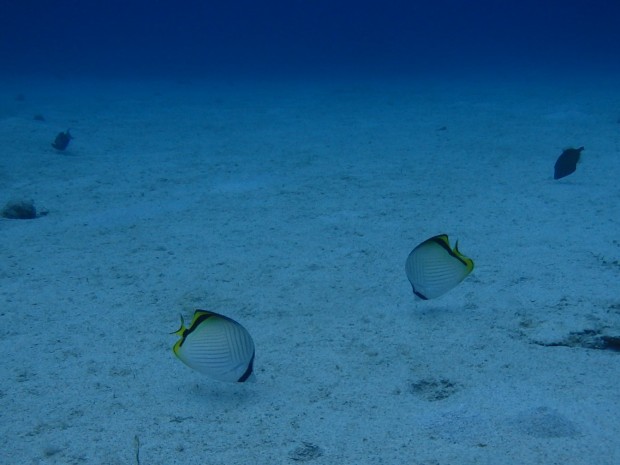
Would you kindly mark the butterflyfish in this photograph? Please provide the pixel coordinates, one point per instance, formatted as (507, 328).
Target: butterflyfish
(567, 163)
(216, 346)
(433, 268)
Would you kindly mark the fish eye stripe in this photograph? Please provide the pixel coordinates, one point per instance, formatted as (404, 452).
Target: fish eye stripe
(440, 240)
(197, 322)
(194, 325)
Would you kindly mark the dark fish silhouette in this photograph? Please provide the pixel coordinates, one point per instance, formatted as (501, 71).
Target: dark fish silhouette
(567, 162)
(62, 140)
(19, 210)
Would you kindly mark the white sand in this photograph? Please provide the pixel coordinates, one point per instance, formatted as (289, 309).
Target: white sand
(291, 207)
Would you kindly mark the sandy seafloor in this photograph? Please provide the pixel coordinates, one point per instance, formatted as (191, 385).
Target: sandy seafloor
(291, 206)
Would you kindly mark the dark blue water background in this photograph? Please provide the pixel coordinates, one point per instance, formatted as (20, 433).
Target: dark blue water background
(174, 37)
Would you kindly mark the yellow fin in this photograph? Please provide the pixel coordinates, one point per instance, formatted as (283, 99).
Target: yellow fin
(181, 330)
(468, 261)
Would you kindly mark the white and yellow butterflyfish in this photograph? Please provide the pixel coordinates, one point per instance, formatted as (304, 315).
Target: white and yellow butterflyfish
(433, 268)
(216, 346)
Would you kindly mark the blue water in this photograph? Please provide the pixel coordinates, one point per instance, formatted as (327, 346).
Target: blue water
(138, 37)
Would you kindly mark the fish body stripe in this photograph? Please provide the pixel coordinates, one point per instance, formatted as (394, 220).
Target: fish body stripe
(248, 372)
(418, 294)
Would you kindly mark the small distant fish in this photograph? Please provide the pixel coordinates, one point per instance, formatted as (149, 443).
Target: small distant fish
(433, 268)
(567, 162)
(19, 210)
(216, 346)
(62, 140)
